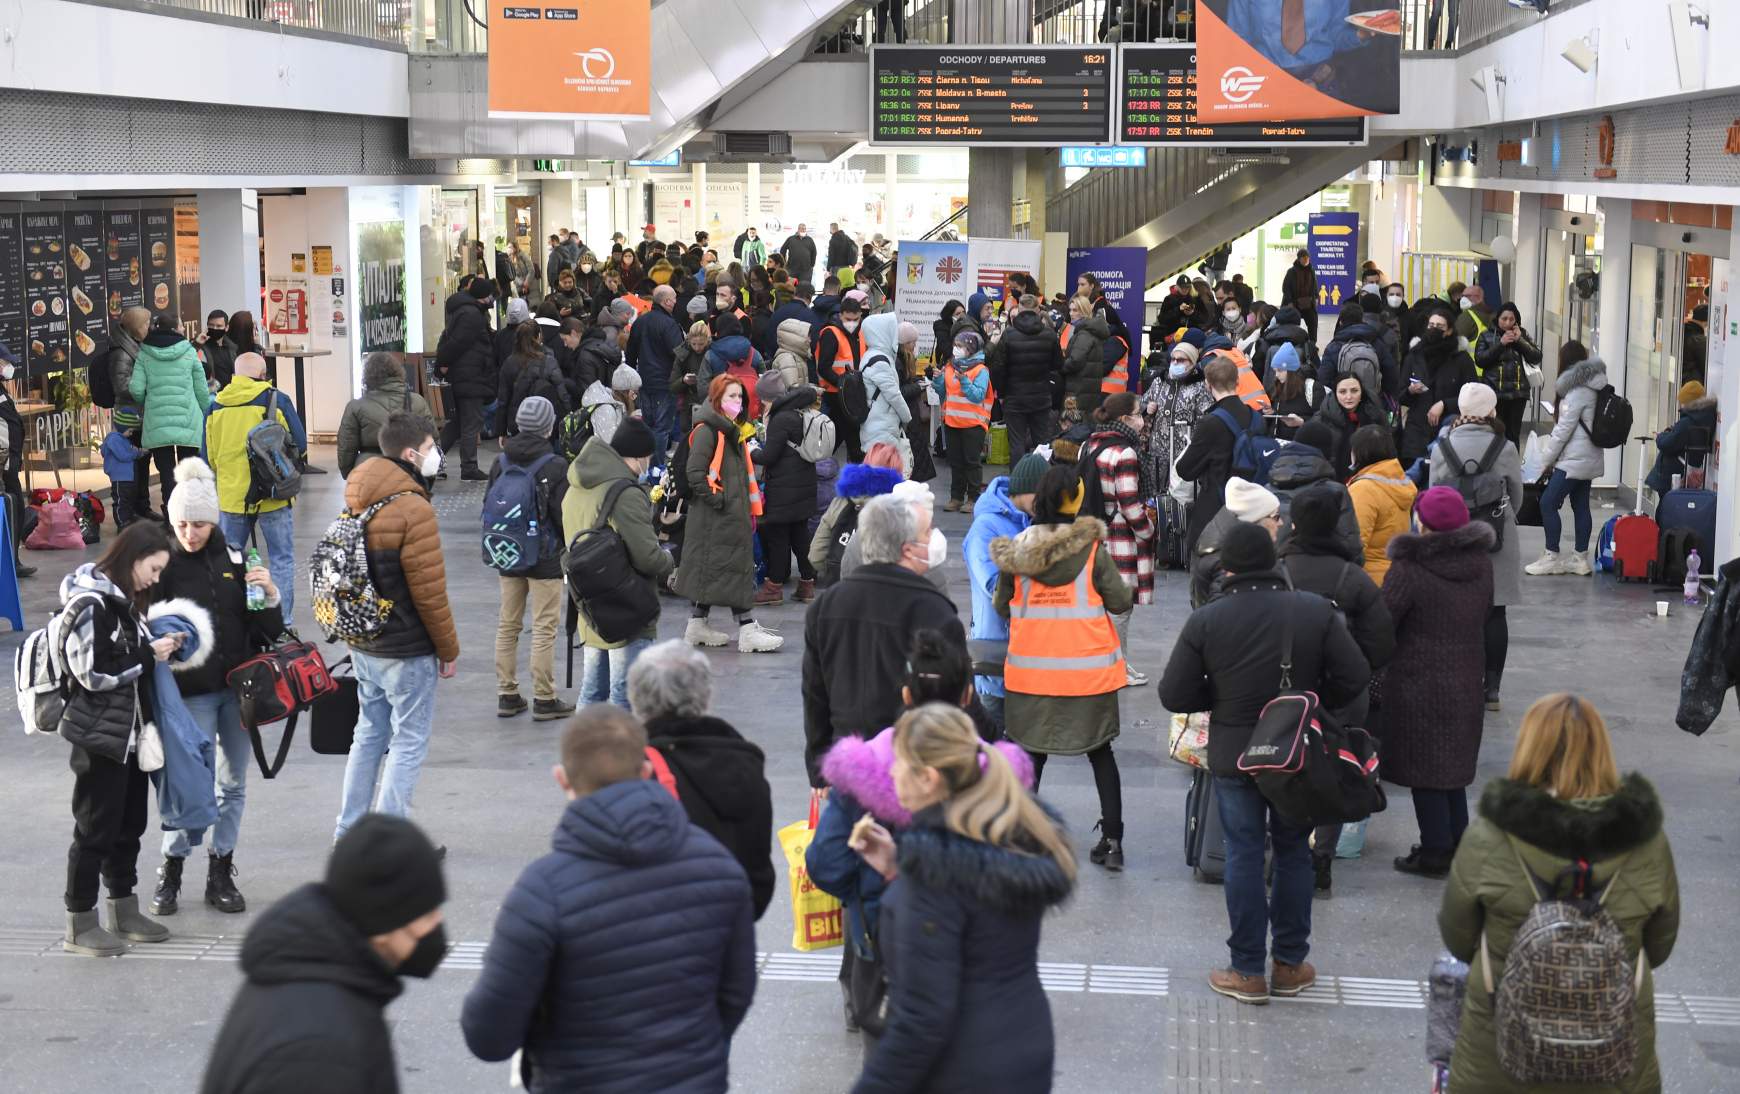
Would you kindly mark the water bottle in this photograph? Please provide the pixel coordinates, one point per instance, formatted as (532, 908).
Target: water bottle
(1692, 564)
(256, 593)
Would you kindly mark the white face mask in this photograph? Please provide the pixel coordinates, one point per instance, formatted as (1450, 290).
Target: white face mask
(7, 370)
(1466, 302)
(1394, 299)
(850, 325)
(937, 552)
(1232, 315)
(430, 462)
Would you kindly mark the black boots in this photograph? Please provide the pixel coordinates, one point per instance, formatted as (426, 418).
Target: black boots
(1322, 865)
(1109, 851)
(221, 892)
(1493, 678)
(1422, 863)
(164, 900)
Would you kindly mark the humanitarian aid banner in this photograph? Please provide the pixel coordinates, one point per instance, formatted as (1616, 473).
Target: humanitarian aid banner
(930, 274)
(993, 260)
(570, 59)
(1122, 272)
(1287, 60)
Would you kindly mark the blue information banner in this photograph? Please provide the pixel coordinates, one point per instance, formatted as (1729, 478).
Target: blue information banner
(1335, 256)
(1123, 273)
(1103, 155)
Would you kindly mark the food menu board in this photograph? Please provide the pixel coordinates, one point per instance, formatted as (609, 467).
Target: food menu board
(45, 290)
(11, 284)
(992, 95)
(158, 250)
(126, 280)
(1157, 105)
(86, 286)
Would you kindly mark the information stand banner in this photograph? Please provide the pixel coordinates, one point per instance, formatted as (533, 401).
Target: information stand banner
(931, 274)
(1122, 272)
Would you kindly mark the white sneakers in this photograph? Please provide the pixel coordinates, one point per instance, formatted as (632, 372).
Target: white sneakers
(701, 633)
(1575, 563)
(755, 638)
(1134, 679)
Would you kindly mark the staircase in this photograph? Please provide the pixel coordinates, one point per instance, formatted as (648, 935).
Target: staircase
(1188, 201)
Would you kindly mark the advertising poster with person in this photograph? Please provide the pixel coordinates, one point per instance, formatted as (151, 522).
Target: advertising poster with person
(1284, 60)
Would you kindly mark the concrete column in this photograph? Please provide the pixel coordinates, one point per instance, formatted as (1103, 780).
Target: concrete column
(891, 196)
(1614, 315)
(1725, 381)
(229, 250)
(1524, 281)
(990, 190)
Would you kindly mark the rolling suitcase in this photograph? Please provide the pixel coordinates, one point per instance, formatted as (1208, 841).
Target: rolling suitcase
(1204, 841)
(1695, 511)
(1636, 538)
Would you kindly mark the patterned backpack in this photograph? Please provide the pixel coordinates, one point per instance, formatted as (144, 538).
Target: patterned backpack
(346, 604)
(1566, 1001)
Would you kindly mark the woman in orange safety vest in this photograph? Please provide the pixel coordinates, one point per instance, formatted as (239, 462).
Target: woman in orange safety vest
(1064, 668)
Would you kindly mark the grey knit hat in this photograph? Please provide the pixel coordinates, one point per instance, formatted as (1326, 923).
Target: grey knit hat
(535, 416)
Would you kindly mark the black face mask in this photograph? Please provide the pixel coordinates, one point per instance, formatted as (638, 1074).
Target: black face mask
(215, 334)
(431, 948)
(1434, 335)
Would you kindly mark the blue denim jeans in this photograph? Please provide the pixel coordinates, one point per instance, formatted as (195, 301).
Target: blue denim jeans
(659, 409)
(1245, 815)
(219, 715)
(277, 541)
(1559, 487)
(604, 673)
(396, 708)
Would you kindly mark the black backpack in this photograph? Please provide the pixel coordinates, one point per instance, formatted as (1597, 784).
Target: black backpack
(101, 380)
(854, 393)
(843, 529)
(1485, 492)
(575, 430)
(1609, 425)
(616, 600)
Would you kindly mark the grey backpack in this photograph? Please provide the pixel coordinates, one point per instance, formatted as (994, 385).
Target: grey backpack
(1360, 360)
(273, 471)
(1481, 486)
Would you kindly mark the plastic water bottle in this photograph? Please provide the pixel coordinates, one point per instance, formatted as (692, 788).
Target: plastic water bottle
(256, 593)
(1692, 565)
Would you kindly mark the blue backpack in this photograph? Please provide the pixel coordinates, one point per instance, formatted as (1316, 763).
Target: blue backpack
(516, 535)
(1253, 451)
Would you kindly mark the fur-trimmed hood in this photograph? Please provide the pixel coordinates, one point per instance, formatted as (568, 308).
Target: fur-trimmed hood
(1007, 880)
(1459, 555)
(1706, 404)
(864, 769)
(1593, 828)
(1591, 373)
(194, 652)
(862, 480)
(1040, 547)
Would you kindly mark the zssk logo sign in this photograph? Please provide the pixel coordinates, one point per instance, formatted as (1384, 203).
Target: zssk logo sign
(1238, 84)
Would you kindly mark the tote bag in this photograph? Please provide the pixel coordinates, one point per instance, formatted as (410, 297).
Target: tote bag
(817, 923)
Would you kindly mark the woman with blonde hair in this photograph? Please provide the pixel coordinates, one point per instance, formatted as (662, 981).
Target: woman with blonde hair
(1563, 825)
(971, 881)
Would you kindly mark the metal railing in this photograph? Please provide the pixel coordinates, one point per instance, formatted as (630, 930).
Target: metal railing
(377, 20)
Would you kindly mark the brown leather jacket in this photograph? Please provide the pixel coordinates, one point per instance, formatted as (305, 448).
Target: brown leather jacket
(404, 547)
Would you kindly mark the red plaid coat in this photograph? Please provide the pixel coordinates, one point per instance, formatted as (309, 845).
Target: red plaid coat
(1130, 535)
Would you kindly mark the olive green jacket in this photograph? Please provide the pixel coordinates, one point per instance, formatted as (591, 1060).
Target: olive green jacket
(589, 479)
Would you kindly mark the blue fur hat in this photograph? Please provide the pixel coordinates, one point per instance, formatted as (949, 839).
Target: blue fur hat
(858, 480)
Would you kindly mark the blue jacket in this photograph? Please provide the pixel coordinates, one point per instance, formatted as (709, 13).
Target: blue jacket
(838, 870)
(973, 387)
(623, 960)
(726, 351)
(1696, 428)
(187, 782)
(119, 455)
(994, 516)
(652, 346)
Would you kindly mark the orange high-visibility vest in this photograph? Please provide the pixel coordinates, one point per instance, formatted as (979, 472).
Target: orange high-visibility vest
(842, 347)
(1061, 641)
(1119, 378)
(640, 304)
(716, 476)
(1250, 389)
(960, 412)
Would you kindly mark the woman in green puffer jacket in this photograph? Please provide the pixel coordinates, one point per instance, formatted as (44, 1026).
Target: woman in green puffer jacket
(1562, 802)
(168, 384)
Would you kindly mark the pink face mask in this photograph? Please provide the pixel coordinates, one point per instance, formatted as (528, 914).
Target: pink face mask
(732, 405)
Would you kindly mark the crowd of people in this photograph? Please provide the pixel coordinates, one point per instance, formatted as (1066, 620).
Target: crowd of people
(1344, 519)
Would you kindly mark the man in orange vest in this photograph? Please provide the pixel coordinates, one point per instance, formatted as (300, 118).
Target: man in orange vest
(965, 387)
(840, 346)
(1250, 388)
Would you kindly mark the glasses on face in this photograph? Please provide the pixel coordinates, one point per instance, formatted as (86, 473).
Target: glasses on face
(1439, 327)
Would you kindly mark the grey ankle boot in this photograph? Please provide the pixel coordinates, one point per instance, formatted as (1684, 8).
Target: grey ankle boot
(85, 935)
(126, 921)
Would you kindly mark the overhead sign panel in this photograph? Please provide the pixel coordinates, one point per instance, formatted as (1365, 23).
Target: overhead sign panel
(1103, 155)
(990, 95)
(1157, 105)
(570, 59)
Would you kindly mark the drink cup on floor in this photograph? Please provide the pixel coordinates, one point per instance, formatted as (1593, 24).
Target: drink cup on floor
(1661, 607)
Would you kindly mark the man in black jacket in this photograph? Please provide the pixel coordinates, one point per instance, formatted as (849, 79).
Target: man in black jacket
(1228, 660)
(1299, 290)
(465, 358)
(842, 251)
(857, 633)
(1208, 461)
(1026, 363)
(799, 252)
(652, 347)
(323, 963)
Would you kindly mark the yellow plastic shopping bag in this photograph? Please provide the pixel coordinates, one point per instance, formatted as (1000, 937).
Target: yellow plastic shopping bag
(816, 920)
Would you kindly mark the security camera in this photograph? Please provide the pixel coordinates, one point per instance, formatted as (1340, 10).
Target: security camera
(1580, 52)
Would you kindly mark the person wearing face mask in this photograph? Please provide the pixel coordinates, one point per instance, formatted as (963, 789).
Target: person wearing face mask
(1232, 319)
(1474, 319)
(321, 965)
(396, 669)
(1504, 354)
(841, 345)
(215, 349)
(1433, 373)
(1175, 398)
(965, 388)
(1121, 493)
(591, 1000)
(859, 630)
(1060, 589)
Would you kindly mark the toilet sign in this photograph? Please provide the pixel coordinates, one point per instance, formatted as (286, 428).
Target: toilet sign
(1334, 243)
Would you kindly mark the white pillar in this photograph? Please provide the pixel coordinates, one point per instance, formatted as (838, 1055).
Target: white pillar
(1615, 314)
(1525, 272)
(891, 198)
(1723, 333)
(753, 184)
(229, 250)
(698, 182)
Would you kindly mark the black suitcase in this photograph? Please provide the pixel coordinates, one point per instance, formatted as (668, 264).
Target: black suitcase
(1204, 841)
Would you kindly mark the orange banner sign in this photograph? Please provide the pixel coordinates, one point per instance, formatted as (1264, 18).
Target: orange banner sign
(1290, 60)
(570, 58)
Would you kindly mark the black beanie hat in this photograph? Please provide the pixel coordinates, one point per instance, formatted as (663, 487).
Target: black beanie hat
(1247, 549)
(482, 288)
(1318, 435)
(383, 874)
(1316, 510)
(632, 438)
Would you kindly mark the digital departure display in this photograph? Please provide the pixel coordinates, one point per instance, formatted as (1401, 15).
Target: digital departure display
(1157, 105)
(990, 95)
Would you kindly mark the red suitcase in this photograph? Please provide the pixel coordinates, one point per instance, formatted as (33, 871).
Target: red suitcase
(1635, 541)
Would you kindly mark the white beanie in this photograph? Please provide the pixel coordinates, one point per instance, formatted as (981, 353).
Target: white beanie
(1476, 400)
(624, 378)
(1250, 502)
(195, 496)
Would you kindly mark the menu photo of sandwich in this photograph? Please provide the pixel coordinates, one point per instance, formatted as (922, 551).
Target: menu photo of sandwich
(133, 270)
(84, 303)
(84, 343)
(159, 253)
(160, 296)
(115, 303)
(79, 257)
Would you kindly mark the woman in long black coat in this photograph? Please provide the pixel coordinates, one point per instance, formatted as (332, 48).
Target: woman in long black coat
(789, 498)
(1438, 591)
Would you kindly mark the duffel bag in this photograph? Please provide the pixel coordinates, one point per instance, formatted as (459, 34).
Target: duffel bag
(276, 686)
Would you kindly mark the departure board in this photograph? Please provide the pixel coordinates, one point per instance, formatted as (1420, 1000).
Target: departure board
(990, 95)
(1157, 105)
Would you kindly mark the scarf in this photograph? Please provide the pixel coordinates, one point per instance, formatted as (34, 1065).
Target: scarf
(716, 479)
(1144, 468)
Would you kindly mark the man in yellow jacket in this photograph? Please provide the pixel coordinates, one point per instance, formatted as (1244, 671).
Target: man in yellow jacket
(235, 410)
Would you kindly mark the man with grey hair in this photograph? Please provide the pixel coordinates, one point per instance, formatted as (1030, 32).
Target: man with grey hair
(858, 631)
(719, 777)
(651, 351)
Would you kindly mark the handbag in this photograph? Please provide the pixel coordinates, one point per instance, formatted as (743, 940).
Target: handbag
(150, 752)
(817, 919)
(1187, 741)
(1182, 490)
(1528, 514)
(332, 718)
(276, 686)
